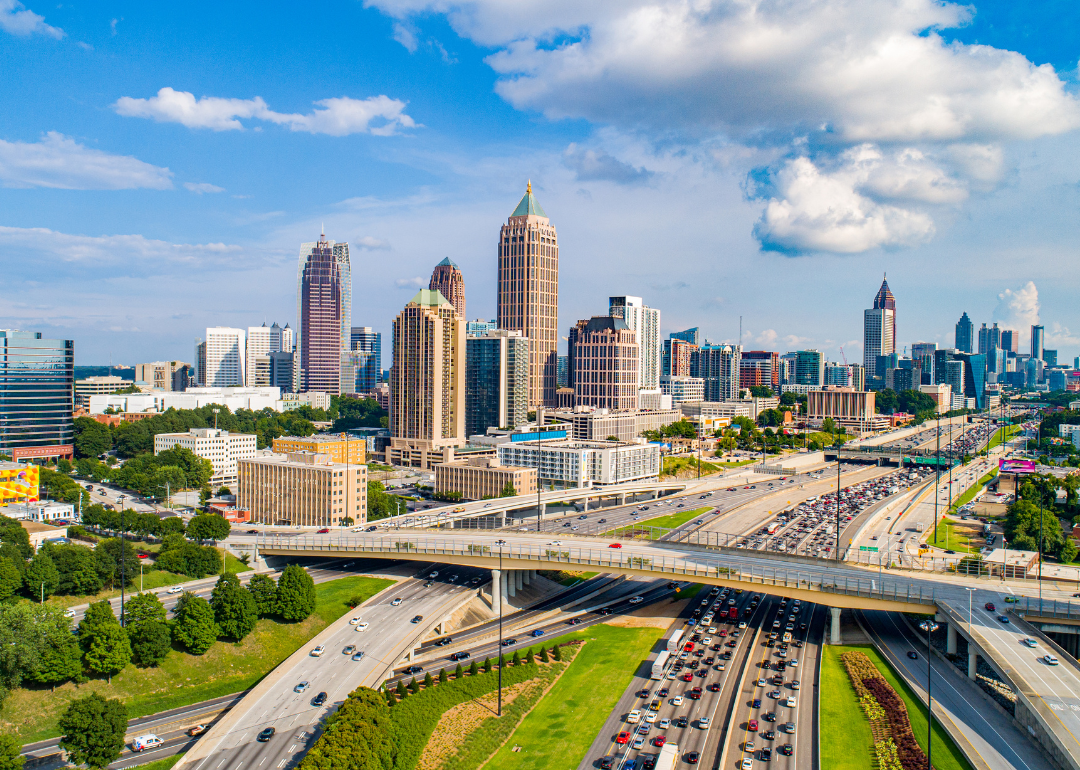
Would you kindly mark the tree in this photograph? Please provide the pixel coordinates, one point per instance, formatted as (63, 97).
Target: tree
(11, 757)
(886, 401)
(129, 565)
(555, 653)
(414, 686)
(208, 527)
(92, 438)
(458, 672)
(543, 655)
(234, 608)
(11, 579)
(264, 591)
(109, 651)
(296, 593)
(508, 490)
(517, 659)
(473, 670)
(77, 567)
(31, 637)
(828, 425)
(93, 730)
(760, 391)
(42, 578)
(443, 678)
(428, 681)
(145, 621)
(487, 665)
(401, 691)
(195, 627)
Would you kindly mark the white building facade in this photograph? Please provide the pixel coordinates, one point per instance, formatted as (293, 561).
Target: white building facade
(645, 323)
(221, 448)
(225, 357)
(682, 389)
(254, 399)
(573, 464)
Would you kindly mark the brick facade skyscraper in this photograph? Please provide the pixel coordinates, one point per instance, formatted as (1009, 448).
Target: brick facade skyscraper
(324, 307)
(446, 279)
(604, 357)
(528, 299)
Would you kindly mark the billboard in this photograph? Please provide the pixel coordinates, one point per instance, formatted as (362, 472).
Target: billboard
(19, 485)
(1016, 466)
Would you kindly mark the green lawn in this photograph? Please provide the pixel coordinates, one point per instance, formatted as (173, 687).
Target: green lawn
(183, 679)
(948, 537)
(575, 579)
(673, 465)
(559, 731)
(737, 464)
(1010, 431)
(847, 744)
(946, 754)
(162, 764)
(673, 520)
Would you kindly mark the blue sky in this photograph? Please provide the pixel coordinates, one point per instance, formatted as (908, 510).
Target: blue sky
(159, 166)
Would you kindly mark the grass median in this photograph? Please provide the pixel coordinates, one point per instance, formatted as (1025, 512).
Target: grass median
(183, 679)
(953, 536)
(563, 725)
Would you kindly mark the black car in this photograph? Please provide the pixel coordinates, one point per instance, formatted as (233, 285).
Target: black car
(602, 521)
(766, 754)
(417, 619)
(266, 734)
(757, 703)
(606, 763)
(413, 669)
(692, 757)
(444, 641)
(372, 528)
(508, 642)
(663, 692)
(913, 655)
(786, 750)
(319, 699)
(573, 621)
(769, 716)
(459, 655)
(681, 722)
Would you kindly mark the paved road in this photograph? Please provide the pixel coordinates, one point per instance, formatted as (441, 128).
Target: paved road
(995, 737)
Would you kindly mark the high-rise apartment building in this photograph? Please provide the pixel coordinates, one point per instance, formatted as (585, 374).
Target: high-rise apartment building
(645, 323)
(693, 336)
(965, 330)
(884, 300)
(1038, 340)
(528, 299)
(480, 327)
(1010, 341)
(678, 358)
(922, 353)
(165, 375)
(221, 357)
(446, 279)
(809, 368)
(324, 307)
(427, 382)
(718, 366)
(602, 363)
(496, 381)
(261, 342)
(878, 340)
(37, 380)
(760, 367)
(366, 346)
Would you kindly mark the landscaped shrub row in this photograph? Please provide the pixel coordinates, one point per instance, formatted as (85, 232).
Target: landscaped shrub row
(908, 750)
(887, 756)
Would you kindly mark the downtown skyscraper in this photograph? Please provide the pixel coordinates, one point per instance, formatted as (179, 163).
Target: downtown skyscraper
(645, 323)
(447, 279)
(324, 307)
(528, 299)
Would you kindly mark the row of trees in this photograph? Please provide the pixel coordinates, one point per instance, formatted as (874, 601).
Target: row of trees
(150, 474)
(1034, 517)
(201, 528)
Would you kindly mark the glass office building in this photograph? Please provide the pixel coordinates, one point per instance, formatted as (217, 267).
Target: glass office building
(366, 344)
(37, 380)
(496, 381)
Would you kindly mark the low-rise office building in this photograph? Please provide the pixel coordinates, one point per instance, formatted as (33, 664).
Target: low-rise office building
(304, 489)
(481, 477)
(341, 447)
(942, 395)
(223, 449)
(97, 386)
(682, 389)
(573, 464)
(601, 424)
(850, 408)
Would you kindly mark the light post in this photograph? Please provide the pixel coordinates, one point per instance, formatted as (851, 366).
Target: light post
(929, 626)
(123, 575)
(839, 444)
(497, 586)
(970, 592)
(937, 482)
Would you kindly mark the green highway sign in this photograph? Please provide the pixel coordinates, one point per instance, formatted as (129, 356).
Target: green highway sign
(868, 548)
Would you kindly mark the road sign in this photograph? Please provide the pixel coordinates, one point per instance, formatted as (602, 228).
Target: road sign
(868, 548)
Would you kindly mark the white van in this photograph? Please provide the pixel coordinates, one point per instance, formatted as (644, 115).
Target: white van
(146, 742)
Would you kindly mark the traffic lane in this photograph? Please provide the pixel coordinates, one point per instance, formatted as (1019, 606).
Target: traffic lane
(994, 737)
(809, 662)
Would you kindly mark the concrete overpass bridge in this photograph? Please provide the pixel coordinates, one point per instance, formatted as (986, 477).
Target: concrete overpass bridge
(1049, 706)
(890, 454)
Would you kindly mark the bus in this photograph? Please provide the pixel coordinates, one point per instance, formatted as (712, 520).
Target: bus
(773, 528)
(660, 664)
(673, 642)
(733, 612)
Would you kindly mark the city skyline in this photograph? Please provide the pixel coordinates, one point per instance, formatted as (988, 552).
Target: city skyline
(129, 175)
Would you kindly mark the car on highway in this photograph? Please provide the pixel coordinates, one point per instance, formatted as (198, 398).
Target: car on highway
(358, 655)
(412, 670)
(1050, 660)
(639, 741)
(703, 723)
(677, 700)
(622, 738)
(990, 606)
(196, 730)
(319, 699)
(317, 651)
(176, 590)
(349, 649)
(322, 531)
(266, 735)
(614, 545)
(355, 621)
(1030, 642)
(69, 613)
(913, 655)
(752, 725)
(747, 764)
(417, 618)
(607, 763)
(790, 702)
(637, 599)
(1003, 618)
(788, 727)
(396, 602)
(692, 757)
(459, 655)
(301, 686)
(363, 627)
(509, 642)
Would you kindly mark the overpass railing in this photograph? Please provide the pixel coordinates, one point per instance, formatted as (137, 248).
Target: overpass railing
(606, 559)
(1047, 608)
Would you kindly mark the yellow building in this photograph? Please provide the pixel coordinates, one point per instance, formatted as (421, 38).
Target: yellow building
(18, 483)
(303, 489)
(481, 477)
(340, 446)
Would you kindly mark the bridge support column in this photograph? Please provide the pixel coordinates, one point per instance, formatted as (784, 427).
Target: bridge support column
(950, 641)
(502, 518)
(622, 498)
(496, 591)
(526, 577)
(543, 510)
(520, 574)
(511, 583)
(973, 662)
(586, 508)
(834, 625)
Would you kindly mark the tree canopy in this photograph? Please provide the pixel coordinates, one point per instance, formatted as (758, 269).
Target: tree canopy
(295, 593)
(93, 730)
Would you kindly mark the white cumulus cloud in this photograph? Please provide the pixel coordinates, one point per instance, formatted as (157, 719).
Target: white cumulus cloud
(59, 161)
(202, 187)
(19, 20)
(1018, 308)
(411, 283)
(340, 116)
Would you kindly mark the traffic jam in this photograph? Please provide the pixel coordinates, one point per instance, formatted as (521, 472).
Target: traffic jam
(810, 527)
(679, 707)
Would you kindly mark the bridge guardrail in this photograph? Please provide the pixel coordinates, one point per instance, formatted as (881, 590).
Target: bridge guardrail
(623, 558)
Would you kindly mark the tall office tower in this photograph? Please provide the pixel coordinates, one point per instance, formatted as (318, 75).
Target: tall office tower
(922, 353)
(225, 361)
(288, 339)
(529, 291)
(809, 367)
(678, 357)
(602, 363)
(858, 376)
(496, 381)
(1038, 339)
(1010, 341)
(964, 332)
(324, 307)
(1049, 357)
(974, 384)
(645, 323)
(719, 366)
(479, 328)
(838, 374)
(200, 362)
(261, 342)
(37, 391)
(562, 371)
(989, 339)
(760, 367)
(886, 301)
(164, 375)
(446, 279)
(366, 346)
(690, 335)
(787, 368)
(427, 382)
(281, 370)
(878, 328)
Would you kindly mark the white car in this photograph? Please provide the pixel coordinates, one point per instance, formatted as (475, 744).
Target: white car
(1031, 642)
(355, 621)
(742, 624)
(650, 717)
(790, 702)
(747, 764)
(1050, 660)
(677, 700)
(362, 626)
(793, 663)
(712, 629)
(633, 717)
(69, 613)
(555, 542)
(637, 600)
(176, 590)
(318, 651)
(707, 641)
(639, 741)
(703, 723)
(396, 602)
(761, 683)
(665, 723)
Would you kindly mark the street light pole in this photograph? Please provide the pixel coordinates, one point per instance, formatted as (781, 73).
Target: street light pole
(498, 588)
(123, 575)
(929, 626)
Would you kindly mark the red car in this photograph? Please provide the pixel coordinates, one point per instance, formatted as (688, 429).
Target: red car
(689, 675)
(623, 737)
(714, 687)
(990, 606)
(614, 545)
(695, 693)
(752, 727)
(659, 741)
(689, 646)
(323, 531)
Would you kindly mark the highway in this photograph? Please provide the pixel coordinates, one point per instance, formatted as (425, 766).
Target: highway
(996, 738)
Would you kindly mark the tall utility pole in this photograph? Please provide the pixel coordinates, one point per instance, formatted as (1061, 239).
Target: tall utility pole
(937, 479)
(123, 543)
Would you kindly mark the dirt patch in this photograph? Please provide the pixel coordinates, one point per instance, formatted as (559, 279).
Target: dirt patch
(659, 615)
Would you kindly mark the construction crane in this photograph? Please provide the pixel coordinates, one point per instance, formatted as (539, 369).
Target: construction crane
(843, 356)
